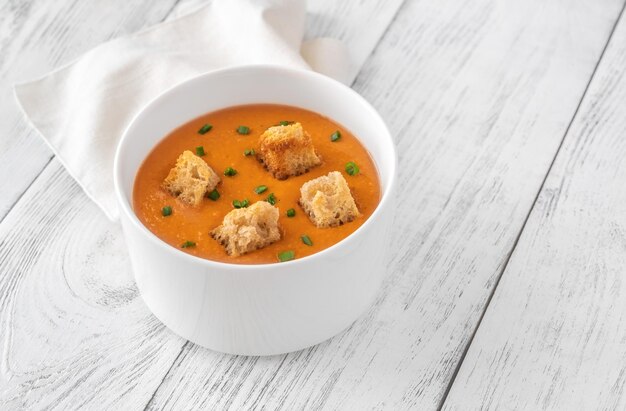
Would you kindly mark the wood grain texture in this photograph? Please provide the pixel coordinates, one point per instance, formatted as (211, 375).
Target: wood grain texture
(74, 332)
(554, 336)
(36, 37)
(359, 26)
(479, 95)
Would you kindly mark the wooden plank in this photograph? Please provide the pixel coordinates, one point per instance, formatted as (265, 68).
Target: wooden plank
(479, 95)
(75, 334)
(554, 336)
(36, 37)
(345, 21)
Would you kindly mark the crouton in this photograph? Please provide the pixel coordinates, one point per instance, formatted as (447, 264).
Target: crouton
(190, 179)
(328, 201)
(248, 229)
(287, 151)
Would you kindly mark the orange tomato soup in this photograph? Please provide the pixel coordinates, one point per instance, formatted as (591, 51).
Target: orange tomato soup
(224, 147)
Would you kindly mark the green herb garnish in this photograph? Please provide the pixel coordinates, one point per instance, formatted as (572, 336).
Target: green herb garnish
(335, 136)
(214, 195)
(352, 168)
(249, 152)
(291, 212)
(205, 129)
(188, 244)
(243, 130)
(260, 189)
(286, 256)
(200, 151)
(271, 199)
(306, 240)
(166, 211)
(230, 171)
(285, 123)
(241, 204)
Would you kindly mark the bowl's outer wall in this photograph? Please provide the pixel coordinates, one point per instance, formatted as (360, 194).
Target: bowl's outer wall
(264, 309)
(271, 310)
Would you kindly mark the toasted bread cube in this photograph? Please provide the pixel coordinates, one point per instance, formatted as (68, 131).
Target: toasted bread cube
(328, 201)
(190, 179)
(287, 151)
(248, 229)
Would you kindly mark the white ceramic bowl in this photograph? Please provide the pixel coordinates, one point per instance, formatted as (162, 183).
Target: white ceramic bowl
(267, 308)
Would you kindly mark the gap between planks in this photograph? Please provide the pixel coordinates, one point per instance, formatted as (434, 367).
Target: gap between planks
(519, 234)
(182, 350)
(19, 198)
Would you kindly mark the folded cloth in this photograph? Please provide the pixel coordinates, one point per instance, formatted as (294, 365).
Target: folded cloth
(82, 109)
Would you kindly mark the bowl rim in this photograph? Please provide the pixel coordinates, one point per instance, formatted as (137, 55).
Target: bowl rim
(125, 204)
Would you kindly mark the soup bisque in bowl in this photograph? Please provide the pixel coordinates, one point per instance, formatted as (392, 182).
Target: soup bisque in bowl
(257, 204)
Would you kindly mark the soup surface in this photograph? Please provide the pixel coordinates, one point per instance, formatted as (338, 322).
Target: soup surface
(224, 147)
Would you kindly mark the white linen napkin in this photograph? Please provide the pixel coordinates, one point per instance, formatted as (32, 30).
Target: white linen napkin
(82, 109)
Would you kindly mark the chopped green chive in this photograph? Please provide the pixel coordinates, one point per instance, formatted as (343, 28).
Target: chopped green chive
(286, 256)
(166, 211)
(205, 129)
(335, 136)
(260, 189)
(291, 212)
(249, 152)
(200, 151)
(241, 204)
(243, 130)
(188, 244)
(230, 171)
(306, 240)
(271, 199)
(214, 195)
(352, 168)
(285, 123)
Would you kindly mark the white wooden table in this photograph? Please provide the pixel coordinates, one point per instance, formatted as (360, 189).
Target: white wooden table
(507, 281)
